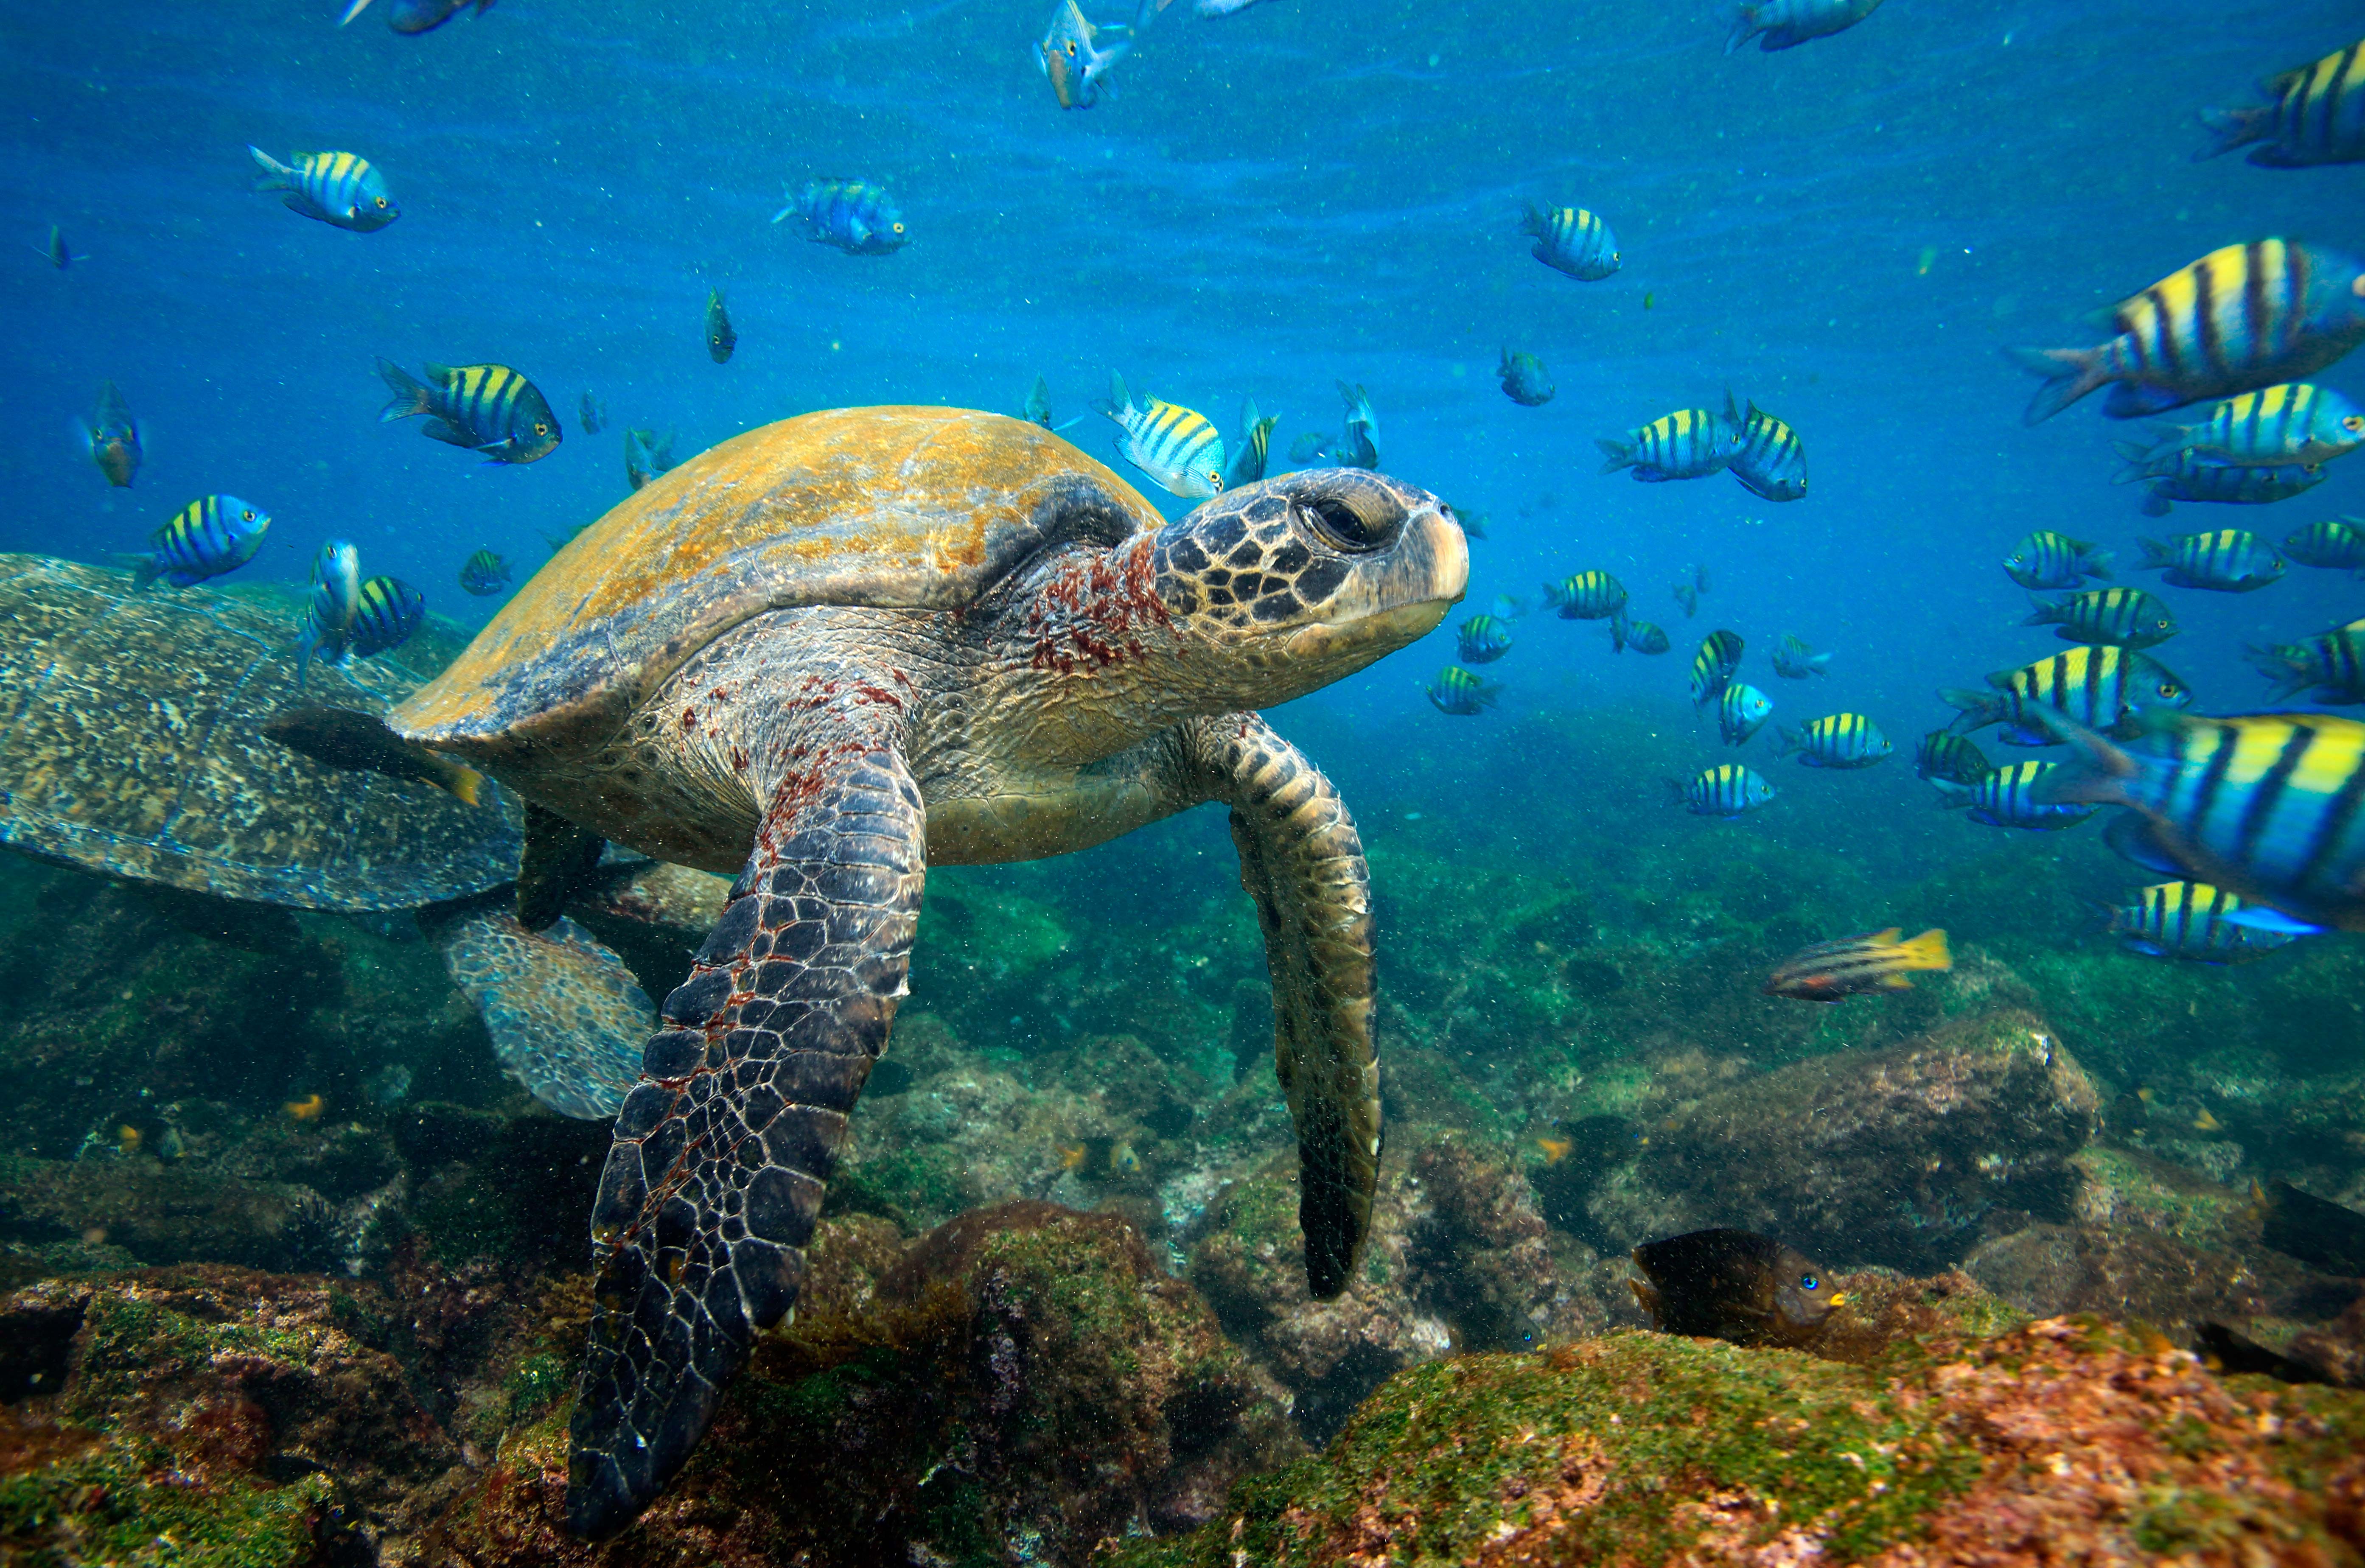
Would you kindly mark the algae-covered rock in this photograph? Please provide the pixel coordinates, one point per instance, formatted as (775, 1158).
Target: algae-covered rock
(2063, 1441)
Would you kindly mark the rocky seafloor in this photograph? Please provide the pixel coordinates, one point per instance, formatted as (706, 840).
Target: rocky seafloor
(290, 1273)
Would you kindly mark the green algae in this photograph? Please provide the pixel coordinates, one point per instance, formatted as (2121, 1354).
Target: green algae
(128, 1503)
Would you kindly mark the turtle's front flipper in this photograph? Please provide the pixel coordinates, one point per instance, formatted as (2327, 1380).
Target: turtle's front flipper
(1302, 861)
(715, 1177)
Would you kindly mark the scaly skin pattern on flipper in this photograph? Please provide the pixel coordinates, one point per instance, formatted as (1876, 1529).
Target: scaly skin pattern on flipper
(715, 1177)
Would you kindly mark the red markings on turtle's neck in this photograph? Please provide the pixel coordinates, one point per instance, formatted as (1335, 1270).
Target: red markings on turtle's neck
(1089, 610)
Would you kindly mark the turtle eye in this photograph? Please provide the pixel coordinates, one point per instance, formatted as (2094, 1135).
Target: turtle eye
(1808, 1282)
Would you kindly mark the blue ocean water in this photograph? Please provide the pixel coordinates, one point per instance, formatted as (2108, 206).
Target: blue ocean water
(1273, 201)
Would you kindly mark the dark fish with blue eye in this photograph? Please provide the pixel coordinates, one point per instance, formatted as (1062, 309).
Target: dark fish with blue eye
(591, 414)
(2240, 319)
(1742, 712)
(328, 629)
(485, 574)
(1724, 791)
(855, 216)
(2049, 560)
(2189, 476)
(1942, 754)
(387, 612)
(1690, 443)
(1771, 461)
(1458, 692)
(1483, 639)
(338, 189)
(721, 338)
(1735, 1285)
(1835, 739)
(1573, 240)
(1796, 660)
(1642, 636)
(1524, 381)
(2338, 545)
(1586, 596)
(208, 537)
(1712, 666)
(2227, 560)
(2011, 796)
(2128, 618)
(113, 437)
(2334, 664)
(1787, 24)
(2317, 116)
(1255, 445)
(487, 408)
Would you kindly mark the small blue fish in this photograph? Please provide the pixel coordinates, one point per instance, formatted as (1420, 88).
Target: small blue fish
(2189, 477)
(858, 219)
(1524, 381)
(1072, 58)
(338, 189)
(205, 539)
(387, 612)
(1509, 606)
(327, 627)
(1458, 692)
(1794, 660)
(1689, 444)
(1573, 240)
(2334, 664)
(1179, 448)
(1360, 447)
(485, 574)
(591, 414)
(1586, 596)
(2294, 422)
(1742, 712)
(646, 455)
(1483, 639)
(1787, 24)
(2127, 617)
(1642, 636)
(113, 437)
(2337, 546)
(2009, 798)
(1836, 740)
(1256, 445)
(1724, 791)
(2049, 560)
(2228, 560)
(55, 251)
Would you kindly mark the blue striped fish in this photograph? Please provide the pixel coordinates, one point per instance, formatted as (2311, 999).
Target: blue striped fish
(385, 615)
(2296, 421)
(2099, 687)
(1642, 636)
(1835, 739)
(484, 573)
(2317, 116)
(1483, 639)
(1942, 754)
(1586, 596)
(2009, 797)
(1525, 381)
(328, 629)
(2227, 560)
(1073, 60)
(1256, 445)
(1178, 447)
(1458, 692)
(1742, 712)
(2338, 545)
(1573, 240)
(1359, 446)
(2192, 919)
(485, 407)
(1794, 659)
(338, 189)
(854, 216)
(1725, 790)
(2127, 617)
(1689, 444)
(646, 455)
(1770, 460)
(2187, 476)
(2049, 560)
(2271, 806)
(1712, 666)
(2334, 664)
(1787, 24)
(205, 539)
(2241, 318)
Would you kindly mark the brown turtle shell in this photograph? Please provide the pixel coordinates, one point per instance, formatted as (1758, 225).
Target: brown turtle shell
(916, 507)
(130, 743)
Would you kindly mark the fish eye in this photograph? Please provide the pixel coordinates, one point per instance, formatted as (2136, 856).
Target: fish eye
(899, 228)
(1808, 1282)
(541, 428)
(247, 516)
(381, 204)
(2167, 689)
(2353, 424)
(1071, 48)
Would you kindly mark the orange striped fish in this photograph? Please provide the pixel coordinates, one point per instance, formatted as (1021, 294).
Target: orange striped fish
(1855, 965)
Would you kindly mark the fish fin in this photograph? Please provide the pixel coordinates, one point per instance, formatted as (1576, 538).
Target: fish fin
(2042, 614)
(1745, 27)
(411, 395)
(2095, 563)
(2131, 401)
(782, 213)
(1532, 219)
(358, 6)
(2156, 555)
(1886, 939)
(2136, 457)
(1787, 740)
(1120, 401)
(2155, 502)
(2229, 129)
(145, 569)
(276, 174)
(1952, 797)
(2263, 917)
(1927, 951)
(2069, 374)
(447, 432)
(1621, 453)
(1982, 707)
(1895, 982)
(567, 1018)
(2132, 835)
(2097, 775)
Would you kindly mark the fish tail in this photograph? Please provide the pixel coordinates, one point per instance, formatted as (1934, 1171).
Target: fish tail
(2138, 459)
(1120, 401)
(2155, 504)
(2042, 614)
(1676, 793)
(2156, 555)
(2286, 668)
(2069, 374)
(275, 176)
(1927, 951)
(145, 569)
(1745, 27)
(358, 6)
(2229, 129)
(1820, 663)
(1532, 221)
(411, 393)
(1621, 453)
(1953, 797)
(1980, 708)
(1788, 740)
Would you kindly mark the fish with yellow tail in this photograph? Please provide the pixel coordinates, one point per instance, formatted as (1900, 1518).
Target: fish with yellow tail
(1179, 448)
(1855, 966)
(2240, 319)
(2317, 116)
(1073, 60)
(1736, 1285)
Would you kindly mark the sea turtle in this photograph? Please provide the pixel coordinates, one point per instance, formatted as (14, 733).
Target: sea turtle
(833, 650)
(132, 742)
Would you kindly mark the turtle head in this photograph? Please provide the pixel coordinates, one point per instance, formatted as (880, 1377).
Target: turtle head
(1282, 586)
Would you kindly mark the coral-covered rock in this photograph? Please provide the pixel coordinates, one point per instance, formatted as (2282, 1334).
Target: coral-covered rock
(2129, 1272)
(2062, 1441)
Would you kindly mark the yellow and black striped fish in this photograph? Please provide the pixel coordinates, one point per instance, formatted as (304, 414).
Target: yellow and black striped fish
(2294, 422)
(2225, 560)
(2097, 687)
(2317, 116)
(1255, 445)
(1725, 790)
(1942, 754)
(1458, 692)
(1835, 739)
(339, 188)
(2127, 617)
(2334, 664)
(1586, 596)
(2240, 319)
(209, 536)
(2337, 545)
(720, 339)
(1573, 240)
(1854, 965)
(1770, 460)
(1712, 666)
(1689, 444)
(2013, 796)
(387, 612)
(485, 407)
(2192, 919)
(2270, 805)
(1178, 447)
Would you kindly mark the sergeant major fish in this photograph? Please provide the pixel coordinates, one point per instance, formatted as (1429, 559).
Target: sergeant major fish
(2193, 921)
(721, 338)
(1072, 58)
(1787, 24)
(1712, 666)
(1742, 712)
(2189, 476)
(2241, 318)
(112, 438)
(853, 216)
(2294, 422)
(487, 408)
(1835, 739)
(1770, 460)
(1724, 791)
(1255, 445)
(329, 614)
(1586, 596)
(209, 536)
(1829, 972)
(2009, 797)
(1524, 381)
(2338, 545)
(1642, 636)
(1457, 692)
(1794, 660)
(2334, 664)
(1483, 639)
(2101, 687)
(1942, 754)
(1361, 446)
(1689, 444)
(338, 189)
(2049, 560)
(2227, 560)
(1571, 239)
(484, 574)
(2127, 617)
(385, 614)
(1178, 447)
(2317, 116)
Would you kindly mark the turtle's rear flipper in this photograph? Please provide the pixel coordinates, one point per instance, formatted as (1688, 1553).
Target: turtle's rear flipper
(341, 737)
(715, 1177)
(568, 1019)
(1302, 861)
